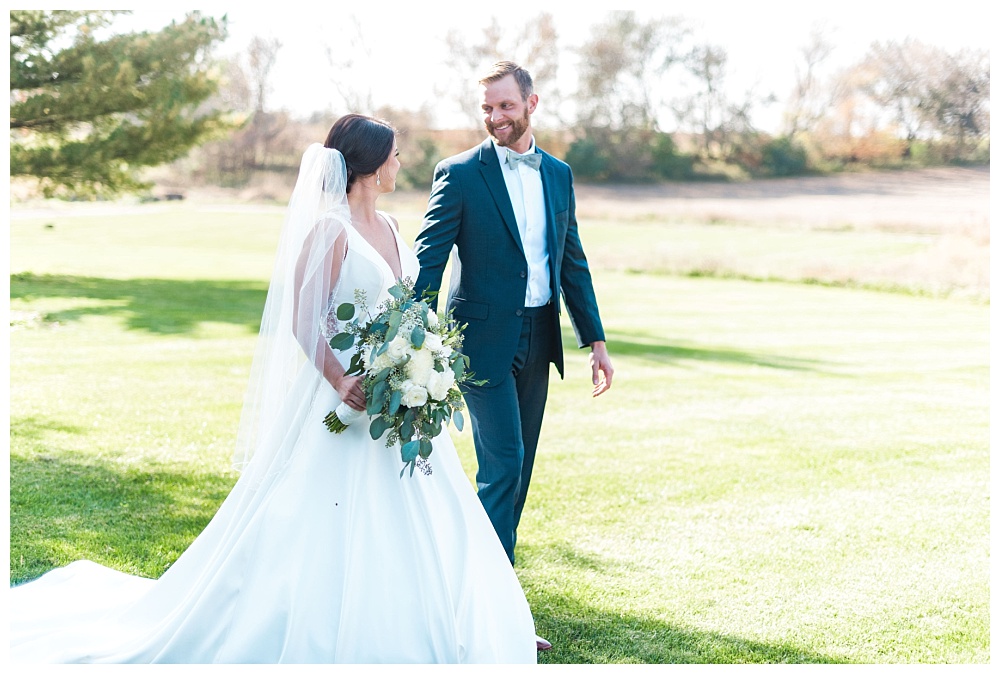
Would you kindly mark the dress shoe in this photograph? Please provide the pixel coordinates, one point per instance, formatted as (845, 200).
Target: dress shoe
(542, 644)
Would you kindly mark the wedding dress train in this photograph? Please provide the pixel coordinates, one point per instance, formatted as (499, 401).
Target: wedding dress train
(332, 557)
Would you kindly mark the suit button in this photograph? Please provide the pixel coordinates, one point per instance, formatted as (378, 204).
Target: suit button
(519, 312)
(524, 274)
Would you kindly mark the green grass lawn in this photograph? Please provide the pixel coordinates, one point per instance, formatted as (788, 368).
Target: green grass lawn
(781, 473)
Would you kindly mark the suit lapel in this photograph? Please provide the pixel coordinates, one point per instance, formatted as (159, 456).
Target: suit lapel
(490, 166)
(551, 236)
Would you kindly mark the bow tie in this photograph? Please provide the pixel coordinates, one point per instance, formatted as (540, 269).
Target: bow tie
(533, 160)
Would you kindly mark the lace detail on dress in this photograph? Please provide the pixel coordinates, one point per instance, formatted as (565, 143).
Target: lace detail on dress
(330, 326)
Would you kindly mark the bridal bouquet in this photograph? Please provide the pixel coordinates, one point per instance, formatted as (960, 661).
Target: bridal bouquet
(410, 366)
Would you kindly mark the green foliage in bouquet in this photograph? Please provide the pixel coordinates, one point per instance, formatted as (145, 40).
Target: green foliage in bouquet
(411, 366)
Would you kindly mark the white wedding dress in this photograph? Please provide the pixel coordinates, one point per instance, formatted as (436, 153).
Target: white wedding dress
(333, 558)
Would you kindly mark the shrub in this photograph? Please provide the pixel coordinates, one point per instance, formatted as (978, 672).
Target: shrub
(588, 159)
(668, 162)
(418, 168)
(782, 156)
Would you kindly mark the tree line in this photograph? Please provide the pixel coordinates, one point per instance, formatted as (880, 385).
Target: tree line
(91, 108)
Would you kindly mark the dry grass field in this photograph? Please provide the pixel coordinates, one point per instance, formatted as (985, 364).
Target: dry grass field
(923, 232)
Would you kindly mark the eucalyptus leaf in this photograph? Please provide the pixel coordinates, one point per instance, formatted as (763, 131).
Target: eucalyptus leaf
(397, 291)
(379, 427)
(417, 336)
(458, 419)
(356, 366)
(376, 402)
(410, 450)
(425, 447)
(345, 311)
(342, 341)
(395, 400)
(378, 393)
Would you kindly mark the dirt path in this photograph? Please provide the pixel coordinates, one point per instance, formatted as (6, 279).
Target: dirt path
(935, 200)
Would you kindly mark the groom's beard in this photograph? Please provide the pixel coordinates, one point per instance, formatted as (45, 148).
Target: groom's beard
(517, 129)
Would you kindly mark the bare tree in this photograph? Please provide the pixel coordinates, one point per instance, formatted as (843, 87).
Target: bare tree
(958, 103)
(534, 46)
(347, 73)
(805, 106)
(900, 75)
(705, 110)
(914, 91)
(234, 90)
(246, 86)
(261, 56)
(622, 70)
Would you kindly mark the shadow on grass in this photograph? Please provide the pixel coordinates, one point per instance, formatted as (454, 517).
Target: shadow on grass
(64, 508)
(584, 634)
(31, 428)
(165, 306)
(625, 344)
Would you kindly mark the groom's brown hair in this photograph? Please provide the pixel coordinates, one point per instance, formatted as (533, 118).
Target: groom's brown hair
(501, 69)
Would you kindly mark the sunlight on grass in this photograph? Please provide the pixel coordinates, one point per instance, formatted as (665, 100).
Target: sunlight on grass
(781, 473)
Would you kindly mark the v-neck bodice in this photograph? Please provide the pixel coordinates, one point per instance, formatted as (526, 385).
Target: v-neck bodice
(365, 269)
(356, 237)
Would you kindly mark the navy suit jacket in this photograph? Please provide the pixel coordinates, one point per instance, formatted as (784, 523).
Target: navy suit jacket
(469, 214)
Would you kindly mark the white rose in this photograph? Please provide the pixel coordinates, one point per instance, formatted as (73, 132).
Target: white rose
(440, 383)
(413, 395)
(432, 342)
(419, 369)
(398, 348)
(432, 319)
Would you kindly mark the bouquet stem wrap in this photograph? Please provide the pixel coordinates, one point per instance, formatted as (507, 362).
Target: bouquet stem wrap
(342, 417)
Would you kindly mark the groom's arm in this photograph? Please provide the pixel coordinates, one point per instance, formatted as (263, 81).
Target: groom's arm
(577, 284)
(439, 230)
(581, 302)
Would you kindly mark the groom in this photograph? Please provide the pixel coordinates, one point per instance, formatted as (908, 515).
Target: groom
(507, 209)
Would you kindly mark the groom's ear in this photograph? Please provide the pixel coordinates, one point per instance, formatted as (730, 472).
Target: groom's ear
(532, 103)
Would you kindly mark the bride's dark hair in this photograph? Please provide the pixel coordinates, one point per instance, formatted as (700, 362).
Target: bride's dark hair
(365, 142)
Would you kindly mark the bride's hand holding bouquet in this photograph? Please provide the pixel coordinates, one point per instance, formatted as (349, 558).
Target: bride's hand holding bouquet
(410, 368)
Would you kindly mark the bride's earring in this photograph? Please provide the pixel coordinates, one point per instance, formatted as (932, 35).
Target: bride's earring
(378, 179)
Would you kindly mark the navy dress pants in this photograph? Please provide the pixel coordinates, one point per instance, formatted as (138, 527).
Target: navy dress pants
(506, 420)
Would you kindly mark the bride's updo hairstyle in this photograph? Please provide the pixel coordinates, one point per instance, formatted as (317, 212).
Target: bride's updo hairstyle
(365, 142)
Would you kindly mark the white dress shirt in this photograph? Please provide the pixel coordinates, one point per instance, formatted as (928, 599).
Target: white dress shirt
(524, 186)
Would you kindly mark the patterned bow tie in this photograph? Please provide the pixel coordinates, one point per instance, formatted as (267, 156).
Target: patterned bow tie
(534, 160)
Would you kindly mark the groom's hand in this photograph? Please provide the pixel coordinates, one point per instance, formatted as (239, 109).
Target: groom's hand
(600, 363)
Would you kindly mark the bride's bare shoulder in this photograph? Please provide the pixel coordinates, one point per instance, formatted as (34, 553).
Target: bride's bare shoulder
(391, 220)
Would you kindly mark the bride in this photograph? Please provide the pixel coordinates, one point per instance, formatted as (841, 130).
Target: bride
(322, 552)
